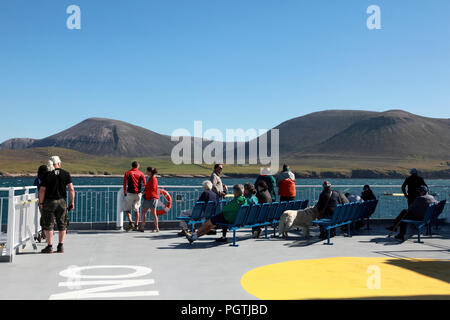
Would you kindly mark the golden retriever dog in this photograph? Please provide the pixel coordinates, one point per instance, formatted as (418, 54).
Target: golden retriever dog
(297, 219)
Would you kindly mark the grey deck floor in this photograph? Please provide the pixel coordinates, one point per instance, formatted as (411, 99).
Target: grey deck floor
(203, 270)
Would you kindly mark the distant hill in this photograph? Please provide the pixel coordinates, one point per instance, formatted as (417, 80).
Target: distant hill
(347, 135)
(106, 137)
(393, 133)
(17, 144)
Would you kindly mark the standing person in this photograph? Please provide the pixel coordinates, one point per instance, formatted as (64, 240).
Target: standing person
(286, 184)
(413, 182)
(133, 181)
(218, 187)
(263, 195)
(42, 171)
(266, 176)
(52, 203)
(367, 193)
(151, 198)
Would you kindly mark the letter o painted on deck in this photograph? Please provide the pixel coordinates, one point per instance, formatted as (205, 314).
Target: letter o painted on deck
(75, 272)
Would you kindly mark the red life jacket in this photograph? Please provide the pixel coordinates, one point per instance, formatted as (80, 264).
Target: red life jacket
(286, 188)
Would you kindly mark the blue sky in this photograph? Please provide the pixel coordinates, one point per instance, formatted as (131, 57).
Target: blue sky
(231, 63)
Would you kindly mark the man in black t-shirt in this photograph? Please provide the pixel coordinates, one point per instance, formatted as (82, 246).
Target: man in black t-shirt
(413, 182)
(52, 203)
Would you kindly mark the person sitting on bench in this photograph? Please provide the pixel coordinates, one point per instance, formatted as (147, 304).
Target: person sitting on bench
(415, 211)
(228, 214)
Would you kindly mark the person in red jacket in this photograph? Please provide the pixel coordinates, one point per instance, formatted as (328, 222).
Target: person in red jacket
(151, 198)
(133, 181)
(286, 184)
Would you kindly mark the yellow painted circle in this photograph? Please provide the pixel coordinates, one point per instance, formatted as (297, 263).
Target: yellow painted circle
(350, 278)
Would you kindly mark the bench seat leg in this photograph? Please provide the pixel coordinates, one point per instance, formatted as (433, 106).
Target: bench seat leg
(234, 244)
(328, 238)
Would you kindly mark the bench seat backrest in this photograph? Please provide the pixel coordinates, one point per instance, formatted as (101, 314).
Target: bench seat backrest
(253, 214)
(241, 216)
(197, 210)
(210, 210)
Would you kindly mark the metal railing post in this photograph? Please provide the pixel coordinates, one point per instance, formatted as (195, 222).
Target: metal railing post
(10, 231)
(119, 218)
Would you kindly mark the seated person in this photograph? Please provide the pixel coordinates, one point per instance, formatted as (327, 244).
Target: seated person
(353, 197)
(228, 214)
(249, 194)
(263, 196)
(367, 193)
(206, 196)
(328, 201)
(415, 211)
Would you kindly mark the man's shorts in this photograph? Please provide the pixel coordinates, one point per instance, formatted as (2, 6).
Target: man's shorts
(132, 202)
(54, 210)
(150, 204)
(220, 218)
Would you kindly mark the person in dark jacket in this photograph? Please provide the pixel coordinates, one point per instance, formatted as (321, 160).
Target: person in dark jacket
(264, 196)
(328, 201)
(42, 171)
(206, 196)
(413, 182)
(267, 177)
(367, 193)
(415, 211)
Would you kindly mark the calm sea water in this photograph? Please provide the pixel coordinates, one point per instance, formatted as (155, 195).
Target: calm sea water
(20, 182)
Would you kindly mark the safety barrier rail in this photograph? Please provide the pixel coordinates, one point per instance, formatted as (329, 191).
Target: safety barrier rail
(98, 203)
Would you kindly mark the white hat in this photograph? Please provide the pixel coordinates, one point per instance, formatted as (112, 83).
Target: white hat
(265, 171)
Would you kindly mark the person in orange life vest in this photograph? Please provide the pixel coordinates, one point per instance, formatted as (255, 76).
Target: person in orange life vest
(286, 184)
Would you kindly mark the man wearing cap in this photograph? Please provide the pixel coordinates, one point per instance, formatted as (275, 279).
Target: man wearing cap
(52, 203)
(328, 201)
(413, 182)
(415, 211)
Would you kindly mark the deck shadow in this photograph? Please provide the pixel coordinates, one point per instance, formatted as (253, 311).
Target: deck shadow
(439, 270)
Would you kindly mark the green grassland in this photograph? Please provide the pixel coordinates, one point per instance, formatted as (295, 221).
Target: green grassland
(28, 160)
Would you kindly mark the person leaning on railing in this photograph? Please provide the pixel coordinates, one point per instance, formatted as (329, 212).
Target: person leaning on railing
(52, 203)
(228, 214)
(217, 186)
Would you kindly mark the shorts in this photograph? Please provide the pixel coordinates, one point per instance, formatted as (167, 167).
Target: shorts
(132, 202)
(150, 204)
(54, 211)
(220, 218)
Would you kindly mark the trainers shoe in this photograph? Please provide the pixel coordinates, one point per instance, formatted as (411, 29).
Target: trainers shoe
(131, 226)
(181, 233)
(60, 248)
(400, 237)
(47, 249)
(256, 234)
(190, 238)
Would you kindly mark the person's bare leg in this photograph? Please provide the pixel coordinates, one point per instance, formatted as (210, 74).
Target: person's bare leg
(130, 220)
(144, 215)
(62, 235)
(205, 228)
(136, 218)
(155, 218)
(49, 236)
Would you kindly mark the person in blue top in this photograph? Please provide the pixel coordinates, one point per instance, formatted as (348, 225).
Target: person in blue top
(250, 193)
